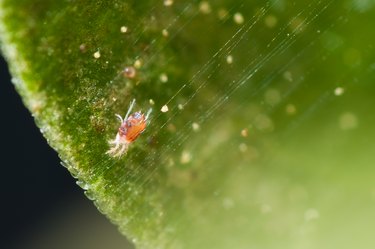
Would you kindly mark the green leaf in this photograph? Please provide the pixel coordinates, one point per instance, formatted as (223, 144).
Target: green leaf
(266, 139)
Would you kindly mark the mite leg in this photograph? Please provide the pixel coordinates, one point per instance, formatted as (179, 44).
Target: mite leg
(123, 149)
(148, 113)
(112, 151)
(119, 117)
(116, 144)
(130, 109)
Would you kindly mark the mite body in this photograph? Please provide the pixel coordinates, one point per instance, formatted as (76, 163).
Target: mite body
(131, 127)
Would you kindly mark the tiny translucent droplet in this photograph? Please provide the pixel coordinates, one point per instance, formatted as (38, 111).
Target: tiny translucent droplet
(242, 147)
(165, 33)
(164, 108)
(168, 2)
(138, 64)
(290, 109)
(222, 14)
(245, 132)
(82, 47)
(288, 76)
(130, 72)
(151, 101)
(270, 21)
(263, 123)
(205, 7)
(229, 59)
(196, 126)
(348, 121)
(339, 91)
(185, 157)
(272, 97)
(163, 77)
(97, 55)
(238, 18)
(124, 29)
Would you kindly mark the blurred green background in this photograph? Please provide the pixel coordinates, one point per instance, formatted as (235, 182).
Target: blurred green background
(273, 145)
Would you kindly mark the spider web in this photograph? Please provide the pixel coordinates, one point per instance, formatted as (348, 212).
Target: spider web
(264, 115)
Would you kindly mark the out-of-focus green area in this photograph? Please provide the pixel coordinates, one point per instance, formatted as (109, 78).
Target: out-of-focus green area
(267, 141)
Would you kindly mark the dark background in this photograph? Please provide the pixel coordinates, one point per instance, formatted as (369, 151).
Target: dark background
(42, 207)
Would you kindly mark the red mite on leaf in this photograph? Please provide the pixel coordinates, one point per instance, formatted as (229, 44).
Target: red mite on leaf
(131, 127)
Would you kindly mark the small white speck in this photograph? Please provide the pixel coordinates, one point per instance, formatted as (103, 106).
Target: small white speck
(124, 29)
(185, 157)
(229, 59)
(151, 101)
(164, 108)
(180, 106)
(245, 132)
(238, 18)
(163, 78)
(339, 91)
(97, 55)
(82, 47)
(168, 2)
(138, 64)
(165, 33)
(205, 7)
(196, 127)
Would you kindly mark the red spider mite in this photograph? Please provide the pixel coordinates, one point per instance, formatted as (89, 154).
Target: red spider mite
(131, 127)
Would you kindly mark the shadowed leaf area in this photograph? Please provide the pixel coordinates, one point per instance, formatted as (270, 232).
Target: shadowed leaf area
(260, 135)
